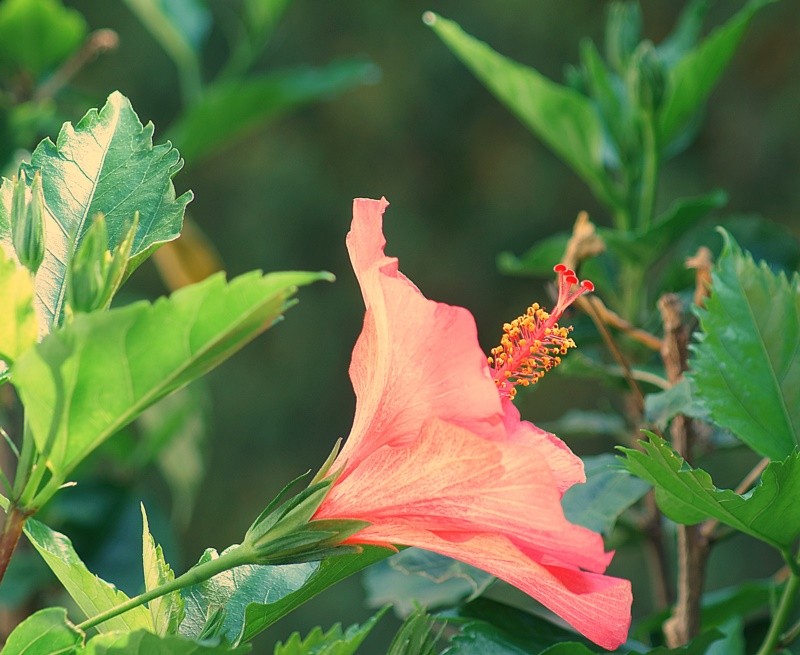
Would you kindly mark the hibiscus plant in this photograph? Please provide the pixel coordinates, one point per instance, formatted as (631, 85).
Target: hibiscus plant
(441, 487)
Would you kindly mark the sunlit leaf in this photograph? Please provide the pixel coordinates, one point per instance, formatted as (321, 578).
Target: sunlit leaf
(47, 632)
(86, 381)
(746, 366)
(166, 611)
(687, 495)
(105, 164)
(18, 325)
(91, 594)
(141, 642)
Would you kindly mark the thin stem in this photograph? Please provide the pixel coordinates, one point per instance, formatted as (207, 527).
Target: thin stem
(773, 638)
(197, 574)
(175, 45)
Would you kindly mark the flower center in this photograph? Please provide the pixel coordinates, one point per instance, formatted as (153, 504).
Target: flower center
(533, 343)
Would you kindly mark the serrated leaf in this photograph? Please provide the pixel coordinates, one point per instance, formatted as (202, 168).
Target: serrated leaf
(86, 381)
(746, 366)
(91, 594)
(608, 491)
(693, 77)
(55, 30)
(333, 642)
(560, 116)
(105, 164)
(414, 578)
(230, 109)
(255, 597)
(18, 325)
(167, 612)
(141, 642)
(47, 632)
(687, 495)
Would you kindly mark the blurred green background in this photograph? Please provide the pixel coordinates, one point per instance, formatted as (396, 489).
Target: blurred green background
(465, 181)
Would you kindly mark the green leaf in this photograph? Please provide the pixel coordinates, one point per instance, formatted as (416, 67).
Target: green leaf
(661, 407)
(686, 33)
(333, 642)
(18, 325)
(179, 27)
(493, 628)
(416, 636)
(255, 597)
(732, 642)
(538, 261)
(105, 164)
(38, 35)
(561, 117)
(167, 611)
(643, 247)
(693, 77)
(86, 381)
(769, 512)
(584, 422)
(229, 110)
(698, 646)
(47, 632)
(746, 366)
(415, 577)
(91, 594)
(174, 433)
(142, 642)
(570, 648)
(608, 491)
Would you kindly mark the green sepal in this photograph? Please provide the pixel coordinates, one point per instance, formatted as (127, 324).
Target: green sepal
(27, 220)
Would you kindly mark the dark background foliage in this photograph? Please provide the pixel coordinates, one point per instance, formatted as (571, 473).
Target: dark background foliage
(466, 181)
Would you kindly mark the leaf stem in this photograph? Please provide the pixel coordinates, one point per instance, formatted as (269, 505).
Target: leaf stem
(237, 556)
(12, 530)
(773, 638)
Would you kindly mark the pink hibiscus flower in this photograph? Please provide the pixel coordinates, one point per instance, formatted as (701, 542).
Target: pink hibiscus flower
(438, 457)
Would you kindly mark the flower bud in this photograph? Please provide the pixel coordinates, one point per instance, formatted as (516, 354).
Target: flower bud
(623, 31)
(95, 272)
(27, 221)
(646, 78)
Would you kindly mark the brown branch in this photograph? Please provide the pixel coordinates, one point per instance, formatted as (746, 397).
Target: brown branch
(693, 547)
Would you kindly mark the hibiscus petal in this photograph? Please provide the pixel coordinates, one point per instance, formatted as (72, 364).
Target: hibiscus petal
(449, 479)
(567, 468)
(597, 606)
(415, 358)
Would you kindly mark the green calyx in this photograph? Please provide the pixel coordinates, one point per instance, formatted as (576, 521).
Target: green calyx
(96, 272)
(27, 221)
(286, 533)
